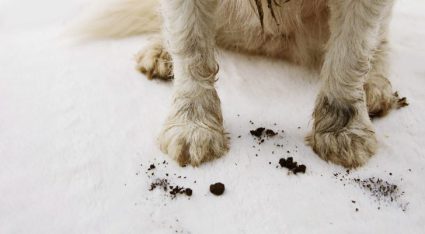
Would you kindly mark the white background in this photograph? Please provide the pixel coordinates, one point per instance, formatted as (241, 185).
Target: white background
(77, 120)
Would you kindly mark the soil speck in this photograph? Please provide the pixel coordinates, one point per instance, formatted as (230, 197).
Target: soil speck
(217, 189)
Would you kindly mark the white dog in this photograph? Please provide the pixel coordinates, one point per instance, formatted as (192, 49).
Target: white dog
(346, 39)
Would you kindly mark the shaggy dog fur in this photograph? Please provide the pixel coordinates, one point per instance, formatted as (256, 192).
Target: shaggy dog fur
(346, 39)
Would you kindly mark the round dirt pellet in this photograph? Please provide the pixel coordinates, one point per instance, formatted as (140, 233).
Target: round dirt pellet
(188, 192)
(217, 189)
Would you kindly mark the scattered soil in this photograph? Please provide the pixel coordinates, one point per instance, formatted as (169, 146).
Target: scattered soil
(173, 190)
(261, 134)
(180, 190)
(161, 183)
(382, 191)
(164, 183)
(217, 189)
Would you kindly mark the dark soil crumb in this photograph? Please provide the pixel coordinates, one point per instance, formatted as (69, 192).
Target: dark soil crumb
(188, 192)
(288, 163)
(217, 189)
(292, 166)
(257, 132)
(261, 131)
(151, 167)
(270, 133)
(300, 169)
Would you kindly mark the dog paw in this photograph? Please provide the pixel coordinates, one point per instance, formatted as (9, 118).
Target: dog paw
(342, 133)
(380, 98)
(155, 62)
(193, 143)
(349, 147)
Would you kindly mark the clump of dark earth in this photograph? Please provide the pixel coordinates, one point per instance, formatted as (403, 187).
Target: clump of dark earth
(300, 169)
(257, 132)
(151, 167)
(217, 189)
(270, 133)
(188, 192)
(288, 163)
(292, 166)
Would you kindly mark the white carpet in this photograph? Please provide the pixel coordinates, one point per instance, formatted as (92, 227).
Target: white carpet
(77, 121)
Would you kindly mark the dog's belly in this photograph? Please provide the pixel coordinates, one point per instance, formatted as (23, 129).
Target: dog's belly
(299, 35)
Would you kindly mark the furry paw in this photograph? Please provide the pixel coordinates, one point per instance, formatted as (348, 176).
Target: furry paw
(380, 98)
(342, 133)
(349, 147)
(155, 62)
(192, 143)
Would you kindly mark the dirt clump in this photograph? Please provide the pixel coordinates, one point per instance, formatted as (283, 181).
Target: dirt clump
(217, 189)
(270, 133)
(257, 132)
(292, 166)
(263, 132)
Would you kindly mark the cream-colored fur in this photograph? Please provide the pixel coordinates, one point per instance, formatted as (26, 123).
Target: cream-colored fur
(122, 19)
(346, 39)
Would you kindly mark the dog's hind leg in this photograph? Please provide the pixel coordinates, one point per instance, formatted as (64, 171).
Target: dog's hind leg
(193, 132)
(342, 130)
(154, 61)
(380, 97)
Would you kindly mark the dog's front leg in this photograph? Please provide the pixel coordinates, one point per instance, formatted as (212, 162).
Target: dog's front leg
(342, 131)
(193, 132)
